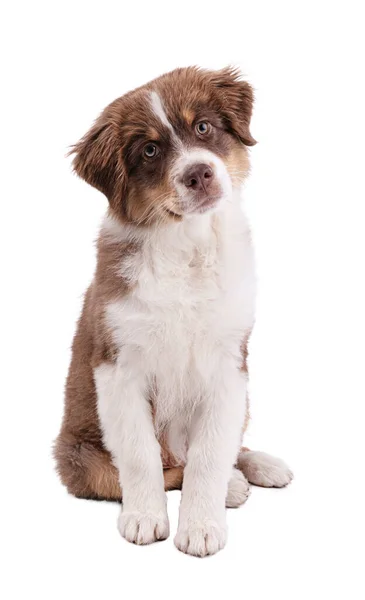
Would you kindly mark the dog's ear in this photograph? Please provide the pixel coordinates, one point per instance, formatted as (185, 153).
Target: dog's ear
(99, 162)
(236, 97)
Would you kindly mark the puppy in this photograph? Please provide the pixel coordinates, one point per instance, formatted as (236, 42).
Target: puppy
(156, 396)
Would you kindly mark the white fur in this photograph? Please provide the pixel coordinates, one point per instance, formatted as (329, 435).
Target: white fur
(159, 110)
(179, 333)
(263, 469)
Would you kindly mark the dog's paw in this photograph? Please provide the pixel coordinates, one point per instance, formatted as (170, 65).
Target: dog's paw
(143, 528)
(201, 539)
(238, 490)
(264, 470)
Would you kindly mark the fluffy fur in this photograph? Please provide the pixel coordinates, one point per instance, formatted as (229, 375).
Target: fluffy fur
(156, 395)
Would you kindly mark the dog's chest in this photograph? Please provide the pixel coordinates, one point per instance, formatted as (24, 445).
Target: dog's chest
(193, 299)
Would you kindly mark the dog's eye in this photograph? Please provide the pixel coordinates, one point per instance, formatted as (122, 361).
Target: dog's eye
(203, 127)
(150, 150)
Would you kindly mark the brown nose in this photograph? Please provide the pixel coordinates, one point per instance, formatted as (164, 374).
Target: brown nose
(198, 177)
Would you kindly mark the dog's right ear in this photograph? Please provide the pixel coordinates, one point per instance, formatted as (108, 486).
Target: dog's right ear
(99, 162)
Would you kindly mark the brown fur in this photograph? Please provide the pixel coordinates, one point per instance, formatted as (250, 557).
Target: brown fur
(106, 158)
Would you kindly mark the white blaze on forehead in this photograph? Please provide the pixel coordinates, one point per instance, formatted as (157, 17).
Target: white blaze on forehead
(158, 109)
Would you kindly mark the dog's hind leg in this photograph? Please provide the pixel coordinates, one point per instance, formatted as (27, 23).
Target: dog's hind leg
(88, 472)
(86, 469)
(263, 469)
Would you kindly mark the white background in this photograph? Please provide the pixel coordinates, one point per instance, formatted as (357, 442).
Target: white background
(62, 62)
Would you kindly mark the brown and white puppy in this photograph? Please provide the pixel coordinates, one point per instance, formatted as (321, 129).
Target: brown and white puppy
(156, 396)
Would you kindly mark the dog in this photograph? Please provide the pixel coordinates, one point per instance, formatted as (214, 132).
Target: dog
(156, 395)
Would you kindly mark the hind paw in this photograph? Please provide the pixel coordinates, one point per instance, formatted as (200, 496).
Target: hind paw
(238, 490)
(263, 469)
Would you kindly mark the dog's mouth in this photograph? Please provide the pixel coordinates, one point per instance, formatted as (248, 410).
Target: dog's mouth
(173, 214)
(208, 203)
(204, 205)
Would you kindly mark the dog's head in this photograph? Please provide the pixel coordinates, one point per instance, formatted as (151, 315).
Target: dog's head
(174, 147)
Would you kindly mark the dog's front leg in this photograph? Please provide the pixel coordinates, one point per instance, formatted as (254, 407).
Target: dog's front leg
(126, 420)
(213, 446)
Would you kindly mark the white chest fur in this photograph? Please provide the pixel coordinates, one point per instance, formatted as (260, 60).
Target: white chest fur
(192, 303)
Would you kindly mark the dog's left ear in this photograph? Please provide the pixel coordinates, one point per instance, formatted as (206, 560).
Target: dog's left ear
(236, 98)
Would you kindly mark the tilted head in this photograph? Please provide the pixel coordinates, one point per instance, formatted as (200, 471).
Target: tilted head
(171, 148)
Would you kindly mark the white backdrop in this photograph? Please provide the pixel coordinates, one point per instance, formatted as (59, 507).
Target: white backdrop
(62, 62)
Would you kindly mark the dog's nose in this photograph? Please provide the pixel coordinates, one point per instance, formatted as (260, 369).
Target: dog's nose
(198, 177)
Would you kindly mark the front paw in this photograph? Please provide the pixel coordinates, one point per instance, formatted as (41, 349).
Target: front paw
(201, 538)
(143, 528)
